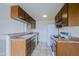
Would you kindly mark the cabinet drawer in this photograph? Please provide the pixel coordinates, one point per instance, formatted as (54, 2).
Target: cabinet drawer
(18, 47)
(28, 41)
(28, 46)
(28, 51)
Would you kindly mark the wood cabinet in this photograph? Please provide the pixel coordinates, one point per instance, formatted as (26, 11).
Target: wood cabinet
(32, 44)
(67, 48)
(64, 15)
(73, 12)
(68, 15)
(61, 17)
(57, 20)
(22, 47)
(18, 47)
(33, 24)
(19, 14)
(28, 47)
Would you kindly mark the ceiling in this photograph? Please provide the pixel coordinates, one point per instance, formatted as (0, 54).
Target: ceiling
(36, 10)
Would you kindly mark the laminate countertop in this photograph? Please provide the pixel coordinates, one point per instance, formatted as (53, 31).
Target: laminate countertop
(26, 36)
(70, 40)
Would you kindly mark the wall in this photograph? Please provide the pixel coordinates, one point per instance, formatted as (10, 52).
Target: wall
(72, 30)
(8, 26)
(42, 28)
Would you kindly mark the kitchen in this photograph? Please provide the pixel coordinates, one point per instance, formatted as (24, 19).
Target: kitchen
(25, 26)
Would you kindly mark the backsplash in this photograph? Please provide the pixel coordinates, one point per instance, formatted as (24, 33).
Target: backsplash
(72, 30)
(75, 31)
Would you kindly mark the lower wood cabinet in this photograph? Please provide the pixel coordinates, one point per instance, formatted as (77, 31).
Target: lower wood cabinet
(18, 47)
(67, 48)
(22, 47)
(32, 45)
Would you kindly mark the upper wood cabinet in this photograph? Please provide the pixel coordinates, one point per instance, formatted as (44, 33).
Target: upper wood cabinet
(18, 13)
(58, 20)
(33, 24)
(61, 17)
(64, 15)
(73, 14)
(68, 15)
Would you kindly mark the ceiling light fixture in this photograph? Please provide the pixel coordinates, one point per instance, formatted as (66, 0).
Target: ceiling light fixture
(44, 16)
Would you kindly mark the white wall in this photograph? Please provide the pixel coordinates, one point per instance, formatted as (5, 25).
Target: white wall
(42, 28)
(7, 24)
(72, 30)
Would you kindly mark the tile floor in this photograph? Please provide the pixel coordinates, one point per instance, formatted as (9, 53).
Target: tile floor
(42, 50)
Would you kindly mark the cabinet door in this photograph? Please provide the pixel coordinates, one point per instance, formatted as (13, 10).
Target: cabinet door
(73, 12)
(33, 24)
(26, 17)
(14, 11)
(28, 51)
(65, 15)
(32, 44)
(18, 47)
(67, 49)
(60, 14)
(56, 19)
(28, 47)
(20, 13)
